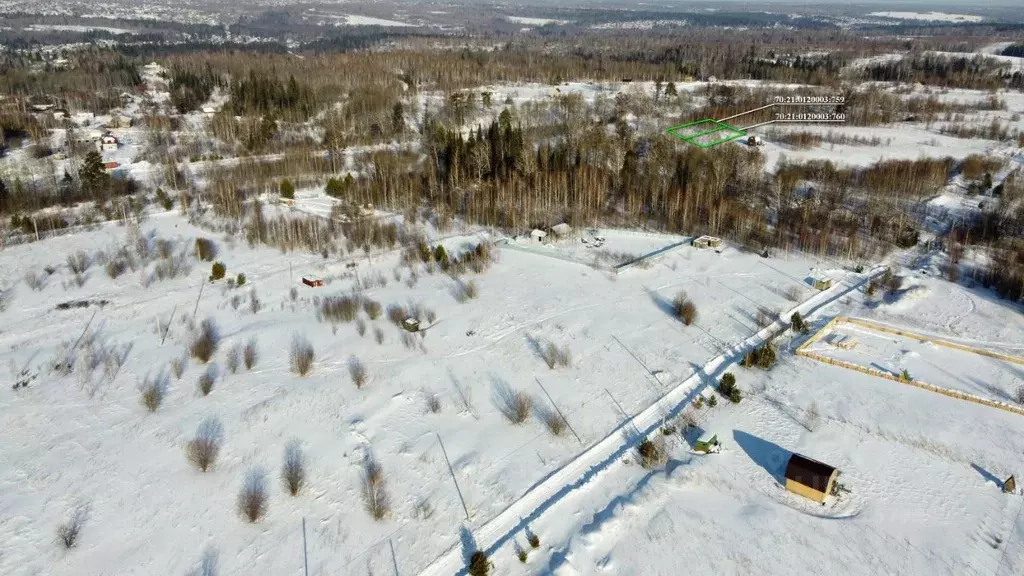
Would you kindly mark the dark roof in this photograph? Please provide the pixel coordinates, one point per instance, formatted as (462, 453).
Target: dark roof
(808, 472)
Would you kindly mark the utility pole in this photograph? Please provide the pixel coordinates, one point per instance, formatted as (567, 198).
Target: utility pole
(452, 472)
(168, 328)
(305, 556)
(201, 286)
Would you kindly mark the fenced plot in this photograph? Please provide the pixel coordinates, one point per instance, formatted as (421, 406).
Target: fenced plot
(954, 369)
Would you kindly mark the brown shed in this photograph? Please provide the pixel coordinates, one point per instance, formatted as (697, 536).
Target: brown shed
(810, 478)
(312, 281)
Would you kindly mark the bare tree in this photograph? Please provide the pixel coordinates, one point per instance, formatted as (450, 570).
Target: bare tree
(302, 355)
(357, 371)
(375, 492)
(251, 354)
(69, 530)
(252, 498)
(203, 449)
(206, 341)
(293, 472)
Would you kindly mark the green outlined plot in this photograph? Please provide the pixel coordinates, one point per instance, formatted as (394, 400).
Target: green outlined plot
(706, 133)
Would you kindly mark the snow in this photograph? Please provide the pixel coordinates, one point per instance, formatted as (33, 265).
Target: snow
(929, 16)
(68, 28)
(533, 21)
(354, 20)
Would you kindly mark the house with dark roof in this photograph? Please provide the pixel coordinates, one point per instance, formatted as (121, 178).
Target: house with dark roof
(810, 478)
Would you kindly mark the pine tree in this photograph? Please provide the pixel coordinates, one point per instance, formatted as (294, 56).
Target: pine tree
(287, 189)
(92, 174)
(398, 119)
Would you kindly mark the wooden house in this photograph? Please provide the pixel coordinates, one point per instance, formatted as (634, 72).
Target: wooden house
(1010, 486)
(810, 478)
(821, 282)
(313, 281)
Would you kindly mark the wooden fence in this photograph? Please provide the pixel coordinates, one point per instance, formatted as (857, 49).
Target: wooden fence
(803, 351)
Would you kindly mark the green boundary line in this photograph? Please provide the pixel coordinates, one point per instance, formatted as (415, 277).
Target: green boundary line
(719, 127)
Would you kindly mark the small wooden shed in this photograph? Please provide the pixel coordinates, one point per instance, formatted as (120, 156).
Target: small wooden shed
(810, 478)
(313, 281)
(707, 242)
(538, 235)
(1010, 486)
(411, 324)
(821, 282)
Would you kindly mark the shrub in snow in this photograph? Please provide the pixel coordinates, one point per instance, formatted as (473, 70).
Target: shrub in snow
(293, 471)
(153, 391)
(301, 356)
(795, 293)
(252, 498)
(178, 366)
(357, 371)
(234, 357)
(250, 354)
(515, 405)
(712, 402)
(652, 453)
(339, 309)
(254, 302)
(203, 449)
(205, 342)
(433, 401)
(36, 281)
(555, 355)
(532, 538)
(287, 189)
(361, 327)
(554, 422)
(372, 308)
(206, 249)
(684, 309)
(240, 280)
(116, 267)
(69, 530)
(378, 334)
(375, 494)
(206, 380)
(217, 271)
(479, 565)
(726, 385)
(79, 262)
(521, 553)
(763, 357)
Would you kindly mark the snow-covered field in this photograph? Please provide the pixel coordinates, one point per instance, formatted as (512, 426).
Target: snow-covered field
(533, 21)
(355, 20)
(928, 16)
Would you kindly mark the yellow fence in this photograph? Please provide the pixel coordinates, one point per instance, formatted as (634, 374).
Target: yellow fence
(803, 351)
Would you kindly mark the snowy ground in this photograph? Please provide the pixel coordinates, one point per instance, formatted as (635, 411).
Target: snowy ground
(928, 16)
(129, 464)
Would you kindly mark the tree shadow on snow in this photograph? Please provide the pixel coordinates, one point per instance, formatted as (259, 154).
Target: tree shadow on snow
(768, 455)
(663, 304)
(988, 475)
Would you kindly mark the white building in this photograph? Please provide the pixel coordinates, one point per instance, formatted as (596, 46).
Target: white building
(108, 143)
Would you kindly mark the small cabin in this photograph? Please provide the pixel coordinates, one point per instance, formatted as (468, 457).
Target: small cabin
(707, 242)
(821, 282)
(1010, 486)
(313, 281)
(538, 235)
(411, 325)
(810, 478)
(707, 444)
(110, 165)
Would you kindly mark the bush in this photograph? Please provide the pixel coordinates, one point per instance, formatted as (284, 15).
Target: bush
(357, 371)
(206, 381)
(735, 395)
(116, 267)
(254, 302)
(338, 309)
(397, 314)
(178, 366)
(205, 342)
(153, 392)
(79, 262)
(684, 309)
(372, 308)
(250, 354)
(378, 334)
(712, 402)
(795, 293)
(361, 327)
(234, 358)
(301, 356)
(69, 530)
(441, 257)
(652, 453)
(1020, 395)
(433, 401)
(240, 280)
(252, 499)
(287, 189)
(765, 316)
(515, 405)
(555, 423)
(217, 271)
(533, 539)
(293, 471)
(203, 449)
(555, 355)
(479, 565)
(206, 249)
(375, 493)
(905, 376)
